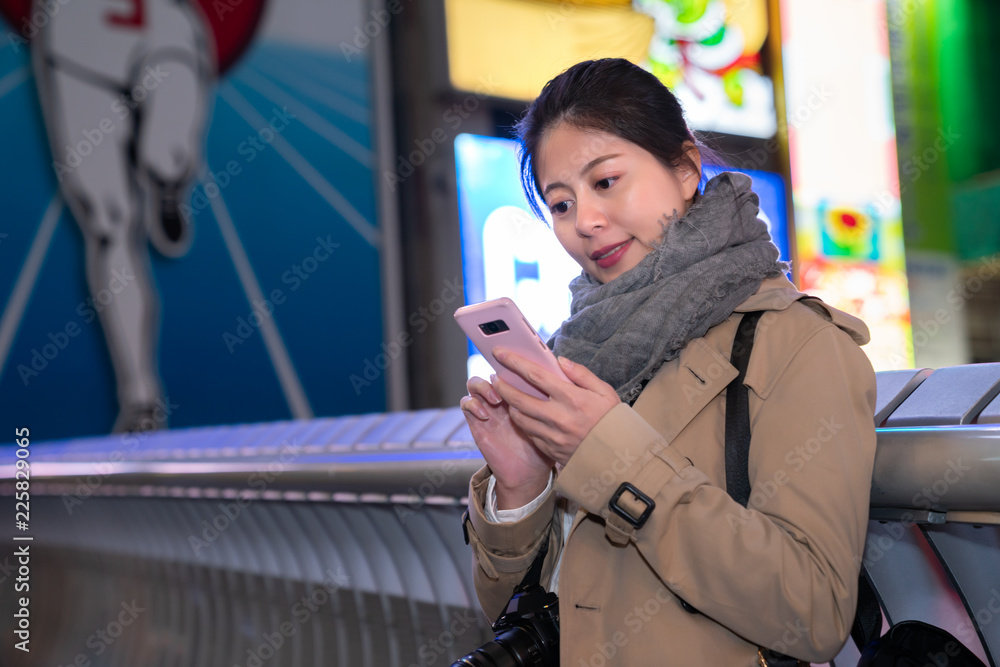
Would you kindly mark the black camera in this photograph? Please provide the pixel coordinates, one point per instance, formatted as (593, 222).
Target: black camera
(494, 327)
(527, 633)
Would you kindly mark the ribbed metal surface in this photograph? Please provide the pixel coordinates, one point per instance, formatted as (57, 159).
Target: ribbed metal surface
(954, 395)
(337, 541)
(198, 582)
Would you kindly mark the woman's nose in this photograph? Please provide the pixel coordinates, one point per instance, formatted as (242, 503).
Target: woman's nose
(589, 218)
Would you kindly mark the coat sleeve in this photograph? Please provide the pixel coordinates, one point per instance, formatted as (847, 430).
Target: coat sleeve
(782, 573)
(503, 552)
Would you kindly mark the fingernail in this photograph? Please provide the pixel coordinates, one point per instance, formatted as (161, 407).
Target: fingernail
(500, 353)
(493, 378)
(492, 397)
(565, 362)
(482, 414)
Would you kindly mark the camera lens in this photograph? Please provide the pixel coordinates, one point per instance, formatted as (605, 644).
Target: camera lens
(494, 327)
(517, 647)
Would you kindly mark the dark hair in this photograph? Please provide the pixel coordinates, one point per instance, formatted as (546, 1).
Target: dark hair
(611, 95)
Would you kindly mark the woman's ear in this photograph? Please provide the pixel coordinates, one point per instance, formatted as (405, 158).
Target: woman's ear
(689, 171)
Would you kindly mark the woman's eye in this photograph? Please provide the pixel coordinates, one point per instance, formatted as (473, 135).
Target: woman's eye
(606, 183)
(560, 207)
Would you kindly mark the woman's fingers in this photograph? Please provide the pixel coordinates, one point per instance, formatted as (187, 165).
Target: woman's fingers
(524, 403)
(541, 432)
(556, 426)
(474, 407)
(477, 386)
(549, 383)
(582, 376)
(552, 440)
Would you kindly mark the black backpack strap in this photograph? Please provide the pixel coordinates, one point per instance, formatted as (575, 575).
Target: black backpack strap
(738, 443)
(738, 413)
(868, 617)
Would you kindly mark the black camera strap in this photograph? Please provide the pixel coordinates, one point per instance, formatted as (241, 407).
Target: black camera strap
(868, 617)
(534, 574)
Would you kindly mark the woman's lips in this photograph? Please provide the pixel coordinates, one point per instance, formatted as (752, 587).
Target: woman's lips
(612, 259)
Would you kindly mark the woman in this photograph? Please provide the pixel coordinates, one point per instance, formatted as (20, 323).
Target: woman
(668, 273)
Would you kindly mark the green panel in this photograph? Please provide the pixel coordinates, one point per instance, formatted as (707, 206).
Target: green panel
(983, 78)
(986, 79)
(976, 206)
(957, 87)
(923, 170)
(968, 31)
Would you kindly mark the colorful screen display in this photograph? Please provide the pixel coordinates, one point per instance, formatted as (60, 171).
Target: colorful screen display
(710, 53)
(845, 184)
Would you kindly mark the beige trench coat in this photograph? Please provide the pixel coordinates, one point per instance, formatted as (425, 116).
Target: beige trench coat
(781, 574)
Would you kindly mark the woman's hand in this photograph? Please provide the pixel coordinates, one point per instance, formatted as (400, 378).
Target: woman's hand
(556, 426)
(521, 470)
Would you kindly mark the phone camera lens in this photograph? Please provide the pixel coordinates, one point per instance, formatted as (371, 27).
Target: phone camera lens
(494, 327)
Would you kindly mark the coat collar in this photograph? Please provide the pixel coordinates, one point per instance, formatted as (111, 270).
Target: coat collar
(775, 293)
(779, 293)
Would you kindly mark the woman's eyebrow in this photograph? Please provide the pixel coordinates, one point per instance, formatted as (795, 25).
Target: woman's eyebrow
(587, 167)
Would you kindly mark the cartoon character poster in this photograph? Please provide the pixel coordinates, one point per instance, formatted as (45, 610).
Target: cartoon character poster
(709, 52)
(188, 212)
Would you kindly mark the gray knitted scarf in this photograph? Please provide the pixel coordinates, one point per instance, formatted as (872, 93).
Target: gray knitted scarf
(706, 263)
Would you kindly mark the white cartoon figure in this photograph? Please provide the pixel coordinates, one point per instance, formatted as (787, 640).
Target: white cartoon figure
(124, 86)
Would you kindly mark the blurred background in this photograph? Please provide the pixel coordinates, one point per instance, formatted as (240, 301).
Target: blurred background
(307, 190)
(240, 228)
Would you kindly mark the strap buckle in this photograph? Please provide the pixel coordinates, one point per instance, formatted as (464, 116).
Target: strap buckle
(465, 528)
(620, 511)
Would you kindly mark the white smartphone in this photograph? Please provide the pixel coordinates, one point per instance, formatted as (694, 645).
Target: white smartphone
(499, 323)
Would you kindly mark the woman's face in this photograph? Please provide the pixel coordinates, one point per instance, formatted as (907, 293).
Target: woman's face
(608, 197)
